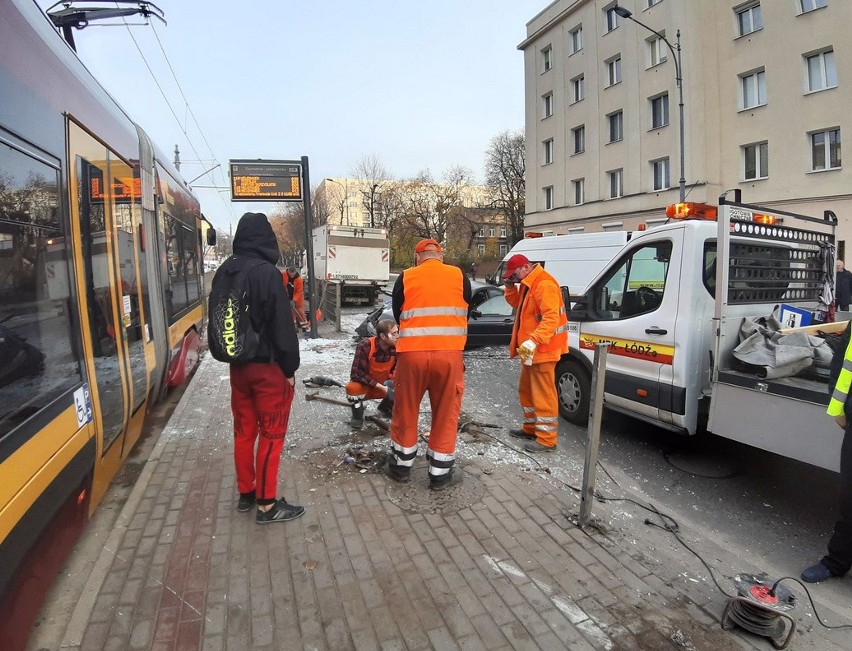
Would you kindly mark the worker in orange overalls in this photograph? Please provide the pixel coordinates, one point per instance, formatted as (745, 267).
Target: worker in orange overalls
(539, 338)
(296, 289)
(431, 302)
(372, 372)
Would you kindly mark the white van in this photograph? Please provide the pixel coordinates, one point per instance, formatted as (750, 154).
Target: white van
(574, 260)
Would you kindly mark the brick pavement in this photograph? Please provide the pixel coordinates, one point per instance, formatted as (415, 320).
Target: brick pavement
(375, 565)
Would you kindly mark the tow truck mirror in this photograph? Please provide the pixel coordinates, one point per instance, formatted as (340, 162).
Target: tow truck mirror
(475, 314)
(211, 237)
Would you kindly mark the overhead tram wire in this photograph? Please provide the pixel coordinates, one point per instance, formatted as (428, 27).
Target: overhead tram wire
(166, 100)
(192, 115)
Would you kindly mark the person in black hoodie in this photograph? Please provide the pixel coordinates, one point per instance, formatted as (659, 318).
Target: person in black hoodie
(262, 390)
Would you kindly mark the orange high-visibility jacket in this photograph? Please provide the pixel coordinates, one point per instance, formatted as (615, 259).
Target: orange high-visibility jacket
(541, 316)
(434, 310)
(299, 292)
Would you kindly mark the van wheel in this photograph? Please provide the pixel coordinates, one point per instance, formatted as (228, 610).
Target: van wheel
(573, 386)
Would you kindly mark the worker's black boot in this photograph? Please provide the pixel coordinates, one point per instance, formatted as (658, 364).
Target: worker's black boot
(357, 420)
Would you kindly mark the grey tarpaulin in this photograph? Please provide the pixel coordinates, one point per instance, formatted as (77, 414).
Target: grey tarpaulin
(771, 354)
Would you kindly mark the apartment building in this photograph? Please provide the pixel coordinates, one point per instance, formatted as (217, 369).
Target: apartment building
(765, 90)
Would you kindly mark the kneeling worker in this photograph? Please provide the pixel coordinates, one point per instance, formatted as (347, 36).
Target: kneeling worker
(372, 372)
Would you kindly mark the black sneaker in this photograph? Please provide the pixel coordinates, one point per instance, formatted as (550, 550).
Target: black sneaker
(521, 434)
(398, 473)
(445, 481)
(245, 502)
(280, 512)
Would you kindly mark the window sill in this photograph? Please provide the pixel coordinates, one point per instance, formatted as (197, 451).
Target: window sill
(547, 117)
(827, 169)
(751, 108)
(755, 180)
(577, 153)
(656, 65)
(662, 126)
(614, 142)
(754, 31)
(612, 85)
(819, 90)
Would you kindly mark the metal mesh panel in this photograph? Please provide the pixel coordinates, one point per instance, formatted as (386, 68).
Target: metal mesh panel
(764, 273)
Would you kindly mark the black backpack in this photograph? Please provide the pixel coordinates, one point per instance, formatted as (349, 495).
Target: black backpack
(230, 333)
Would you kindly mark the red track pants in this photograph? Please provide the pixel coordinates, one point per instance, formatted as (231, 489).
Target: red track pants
(260, 401)
(441, 373)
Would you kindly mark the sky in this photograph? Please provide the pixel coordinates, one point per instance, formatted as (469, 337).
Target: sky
(417, 85)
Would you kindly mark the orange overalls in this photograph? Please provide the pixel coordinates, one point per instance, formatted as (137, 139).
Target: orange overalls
(296, 290)
(432, 335)
(379, 371)
(541, 317)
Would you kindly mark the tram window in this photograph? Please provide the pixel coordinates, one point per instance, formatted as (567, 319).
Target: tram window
(182, 258)
(39, 358)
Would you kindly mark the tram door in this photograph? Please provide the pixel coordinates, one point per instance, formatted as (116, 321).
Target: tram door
(103, 198)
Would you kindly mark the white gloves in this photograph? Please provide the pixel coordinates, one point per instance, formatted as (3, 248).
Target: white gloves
(526, 351)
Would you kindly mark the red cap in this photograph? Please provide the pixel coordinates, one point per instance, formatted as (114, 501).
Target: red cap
(428, 245)
(515, 262)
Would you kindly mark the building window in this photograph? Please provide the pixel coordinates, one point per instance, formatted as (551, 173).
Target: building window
(578, 139)
(504, 249)
(547, 58)
(547, 105)
(578, 188)
(616, 183)
(491, 232)
(548, 158)
(548, 198)
(657, 50)
(753, 89)
(660, 111)
(616, 126)
(825, 149)
(578, 88)
(610, 18)
(502, 231)
(481, 231)
(576, 42)
(749, 18)
(481, 249)
(660, 169)
(756, 161)
(613, 70)
(810, 5)
(821, 71)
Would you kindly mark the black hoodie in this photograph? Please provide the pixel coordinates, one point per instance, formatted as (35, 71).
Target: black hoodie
(269, 304)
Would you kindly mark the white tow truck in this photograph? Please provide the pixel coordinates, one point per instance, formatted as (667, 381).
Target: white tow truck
(353, 257)
(671, 305)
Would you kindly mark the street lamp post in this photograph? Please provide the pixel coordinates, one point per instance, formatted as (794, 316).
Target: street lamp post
(372, 209)
(675, 50)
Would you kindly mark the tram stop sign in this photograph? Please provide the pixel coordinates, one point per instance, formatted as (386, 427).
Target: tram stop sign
(266, 180)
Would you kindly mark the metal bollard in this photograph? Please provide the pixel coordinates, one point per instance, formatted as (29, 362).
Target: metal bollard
(595, 409)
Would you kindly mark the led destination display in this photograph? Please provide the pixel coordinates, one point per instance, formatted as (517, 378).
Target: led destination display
(255, 180)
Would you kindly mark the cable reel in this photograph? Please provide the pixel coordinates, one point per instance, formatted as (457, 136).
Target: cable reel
(761, 607)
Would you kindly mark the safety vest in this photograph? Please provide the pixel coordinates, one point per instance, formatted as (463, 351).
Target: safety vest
(379, 371)
(530, 315)
(434, 312)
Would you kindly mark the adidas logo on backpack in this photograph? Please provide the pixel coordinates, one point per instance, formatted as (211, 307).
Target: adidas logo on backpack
(230, 333)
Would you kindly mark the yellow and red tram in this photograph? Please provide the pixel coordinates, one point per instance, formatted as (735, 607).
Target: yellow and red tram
(101, 299)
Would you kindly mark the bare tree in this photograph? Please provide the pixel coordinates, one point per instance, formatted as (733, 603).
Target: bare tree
(505, 169)
(429, 205)
(372, 178)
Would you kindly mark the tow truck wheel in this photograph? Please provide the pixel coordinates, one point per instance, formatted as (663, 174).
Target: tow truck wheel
(572, 387)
